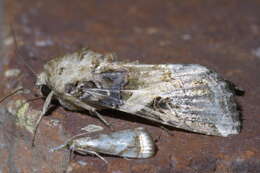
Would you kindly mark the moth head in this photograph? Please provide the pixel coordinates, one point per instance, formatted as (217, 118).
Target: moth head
(68, 145)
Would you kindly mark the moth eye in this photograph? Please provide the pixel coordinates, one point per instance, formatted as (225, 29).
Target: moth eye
(45, 90)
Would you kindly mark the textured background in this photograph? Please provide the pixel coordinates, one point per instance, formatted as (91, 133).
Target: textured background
(223, 35)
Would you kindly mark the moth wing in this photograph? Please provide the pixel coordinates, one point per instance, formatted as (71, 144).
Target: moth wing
(189, 97)
(131, 143)
(195, 99)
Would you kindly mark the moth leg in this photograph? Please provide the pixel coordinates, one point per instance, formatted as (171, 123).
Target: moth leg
(43, 112)
(94, 112)
(85, 152)
(87, 107)
(166, 130)
(99, 156)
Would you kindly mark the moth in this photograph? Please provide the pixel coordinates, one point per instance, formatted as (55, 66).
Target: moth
(130, 143)
(190, 97)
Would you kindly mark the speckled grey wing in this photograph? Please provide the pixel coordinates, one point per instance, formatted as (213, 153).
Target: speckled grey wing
(192, 97)
(131, 143)
(189, 97)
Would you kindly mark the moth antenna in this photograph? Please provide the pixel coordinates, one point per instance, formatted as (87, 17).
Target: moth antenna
(18, 54)
(68, 141)
(59, 147)
(11, 94)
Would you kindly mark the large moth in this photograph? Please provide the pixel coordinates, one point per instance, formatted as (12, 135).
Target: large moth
(190, 97)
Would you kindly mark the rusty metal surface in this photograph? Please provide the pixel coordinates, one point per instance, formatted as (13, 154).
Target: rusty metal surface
(223, 35)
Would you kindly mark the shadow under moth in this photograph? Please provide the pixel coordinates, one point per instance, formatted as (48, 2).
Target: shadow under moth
(190, 97)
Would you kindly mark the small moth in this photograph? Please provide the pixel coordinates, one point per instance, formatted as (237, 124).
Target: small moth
(130, 143)
(189, 97)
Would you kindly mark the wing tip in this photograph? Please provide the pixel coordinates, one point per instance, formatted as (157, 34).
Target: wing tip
(147, 146)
